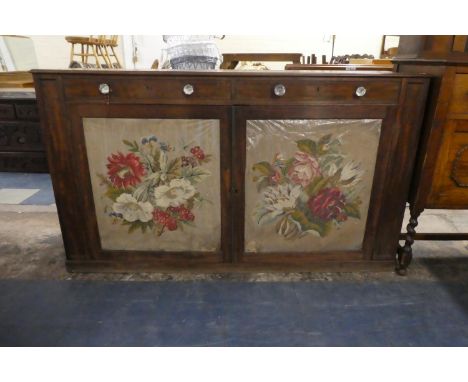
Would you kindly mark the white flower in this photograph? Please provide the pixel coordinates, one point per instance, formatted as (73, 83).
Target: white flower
(277, 200)
(132, 210)
(351, 173)
(176, 193)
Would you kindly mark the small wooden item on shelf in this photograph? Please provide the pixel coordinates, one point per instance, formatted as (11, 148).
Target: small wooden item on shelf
(230, 60)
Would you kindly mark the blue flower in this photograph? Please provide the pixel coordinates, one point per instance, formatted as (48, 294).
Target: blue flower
(164, 146)
(144, 141)
(152, 138)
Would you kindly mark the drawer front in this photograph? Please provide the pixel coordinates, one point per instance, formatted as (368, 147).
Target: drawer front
(451, 183)
(459, 102)
(27, 111)
(23, 162)
(7, 111)
(20, 136)
(197, 90)
(317, 91)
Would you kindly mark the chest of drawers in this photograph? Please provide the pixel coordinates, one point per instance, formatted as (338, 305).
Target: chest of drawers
(227, 170)
(21, 147)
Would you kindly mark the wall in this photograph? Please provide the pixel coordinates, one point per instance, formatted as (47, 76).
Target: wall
(54, 52)
(149, 47)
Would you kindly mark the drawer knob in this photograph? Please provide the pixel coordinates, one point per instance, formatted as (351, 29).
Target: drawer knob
(361, 91)
(104, 89)
(188, 89)
(280, 90)
(22, 140)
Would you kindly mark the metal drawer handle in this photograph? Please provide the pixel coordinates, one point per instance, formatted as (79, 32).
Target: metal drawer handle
(188, 89)
(104, 89)
(21, 140)
(280, 90)
(361, 91)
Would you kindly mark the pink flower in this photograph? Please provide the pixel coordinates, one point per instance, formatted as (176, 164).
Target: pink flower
(276, 178)
(304, 169)
(328, 204)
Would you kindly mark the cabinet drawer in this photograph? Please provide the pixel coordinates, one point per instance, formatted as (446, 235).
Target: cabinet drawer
(7, 111)
(27, 111)
(203, 90)
(459, 103)
(319, 91)
(20, 136)
(450, 189)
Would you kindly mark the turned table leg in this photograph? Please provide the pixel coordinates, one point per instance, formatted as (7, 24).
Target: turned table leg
(405, 252)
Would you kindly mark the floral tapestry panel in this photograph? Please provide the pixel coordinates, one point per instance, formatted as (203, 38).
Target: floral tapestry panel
(156, 183)
(308, 183)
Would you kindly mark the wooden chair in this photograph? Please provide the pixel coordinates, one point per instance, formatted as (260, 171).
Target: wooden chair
(95, 47)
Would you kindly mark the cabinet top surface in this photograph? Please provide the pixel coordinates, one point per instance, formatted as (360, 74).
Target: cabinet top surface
(228, 73)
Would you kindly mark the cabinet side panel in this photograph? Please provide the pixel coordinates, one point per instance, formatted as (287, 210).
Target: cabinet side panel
(56, 134)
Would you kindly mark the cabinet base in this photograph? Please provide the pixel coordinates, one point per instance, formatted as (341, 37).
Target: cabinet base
(127, 267)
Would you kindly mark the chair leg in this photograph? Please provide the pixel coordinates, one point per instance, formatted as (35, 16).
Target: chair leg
(103, 52)
(93, 48)
(116, 58)
(72, 53)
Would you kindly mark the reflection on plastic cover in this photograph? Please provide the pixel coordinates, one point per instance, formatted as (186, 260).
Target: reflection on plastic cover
(308, 183)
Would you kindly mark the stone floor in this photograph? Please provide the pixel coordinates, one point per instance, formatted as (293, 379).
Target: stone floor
(31, 248)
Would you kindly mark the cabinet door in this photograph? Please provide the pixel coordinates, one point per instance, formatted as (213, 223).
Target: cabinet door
(309, 180)
(152, 183)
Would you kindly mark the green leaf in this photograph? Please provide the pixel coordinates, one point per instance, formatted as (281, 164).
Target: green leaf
(133, 226)
(316, 185)
(325, 140)
(113, 193)
(352, 210)
(263, 183)
(307, 146)
(195, 174)
(174, 167)
(264, 168)
(322, 228)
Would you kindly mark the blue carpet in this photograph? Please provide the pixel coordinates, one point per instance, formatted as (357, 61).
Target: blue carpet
(45, 195)
(76, 313)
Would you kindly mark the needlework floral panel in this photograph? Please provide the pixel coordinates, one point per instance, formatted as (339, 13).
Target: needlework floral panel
(156, 183)
(308, 183)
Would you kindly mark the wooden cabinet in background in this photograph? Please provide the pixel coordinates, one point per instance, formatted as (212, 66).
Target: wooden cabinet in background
(21, 147)
(441, 172)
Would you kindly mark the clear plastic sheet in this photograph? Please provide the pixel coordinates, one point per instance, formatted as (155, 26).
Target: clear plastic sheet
(308, 183)
(156, 183)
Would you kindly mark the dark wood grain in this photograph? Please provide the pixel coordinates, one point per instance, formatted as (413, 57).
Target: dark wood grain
(66, 97)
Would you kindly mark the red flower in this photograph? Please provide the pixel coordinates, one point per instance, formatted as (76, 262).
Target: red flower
(165, 219)
(328, 204)
(124, 170)
(197, 152)
(182, 212)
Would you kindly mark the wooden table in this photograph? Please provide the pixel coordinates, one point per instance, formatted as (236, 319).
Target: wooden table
(348, 67)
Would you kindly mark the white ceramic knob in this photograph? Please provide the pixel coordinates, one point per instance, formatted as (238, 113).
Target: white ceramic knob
(188, 89)
(104, 89)
(280, 90)
(361, 91)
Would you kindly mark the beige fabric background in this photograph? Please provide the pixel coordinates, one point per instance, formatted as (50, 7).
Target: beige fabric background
(104, 136)
(360, 140)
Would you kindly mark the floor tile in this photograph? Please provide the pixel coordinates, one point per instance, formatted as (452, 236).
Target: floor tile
(15, 195)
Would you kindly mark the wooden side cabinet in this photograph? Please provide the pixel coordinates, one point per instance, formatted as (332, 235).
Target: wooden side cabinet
(441, 171)
(230, 171)
(21, 147)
